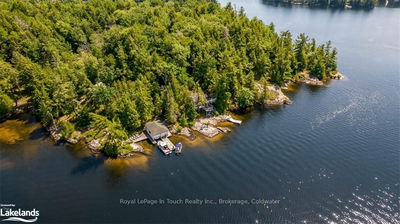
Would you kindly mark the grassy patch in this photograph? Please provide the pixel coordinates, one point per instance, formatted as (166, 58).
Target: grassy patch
(272, 95)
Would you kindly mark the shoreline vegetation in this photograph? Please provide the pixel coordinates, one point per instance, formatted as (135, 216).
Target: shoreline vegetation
(98, 71)
(337, 4)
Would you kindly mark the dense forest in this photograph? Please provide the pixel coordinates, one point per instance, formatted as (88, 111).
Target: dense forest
(107, 67)
(339, 4)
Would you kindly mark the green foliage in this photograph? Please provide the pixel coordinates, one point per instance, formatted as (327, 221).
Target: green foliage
(319, 60)
(223, 95)
(67, 128)
(171, 107)
(338, 4)
(120, 64)
(272, 95)
(110, 133)
(43, 105)
(6, 104)
(9, 81)
(245, 98)
(364, 4)
(129, 116)
(302, 49)
(263, 94)
(83, 119)
(63, 99)
(100, 96)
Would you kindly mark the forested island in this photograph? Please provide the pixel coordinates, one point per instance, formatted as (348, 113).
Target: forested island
(101, 69)
(338, 4)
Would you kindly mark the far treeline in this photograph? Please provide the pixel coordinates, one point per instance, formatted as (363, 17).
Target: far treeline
(339, 4)
(107, 67)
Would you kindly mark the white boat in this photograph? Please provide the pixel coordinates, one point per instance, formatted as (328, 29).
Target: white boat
(165, 146)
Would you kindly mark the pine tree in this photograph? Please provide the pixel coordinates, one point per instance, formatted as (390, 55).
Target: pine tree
(223, 95)
(171, 107)
(110, 133)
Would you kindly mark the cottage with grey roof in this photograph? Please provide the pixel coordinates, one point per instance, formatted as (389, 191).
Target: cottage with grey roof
(155, 131)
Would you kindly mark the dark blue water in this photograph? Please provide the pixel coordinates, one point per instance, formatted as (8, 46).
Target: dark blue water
(331, 156)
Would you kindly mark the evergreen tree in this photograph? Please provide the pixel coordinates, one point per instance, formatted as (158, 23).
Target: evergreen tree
(132, 61)
(223, 95)
(264, 93)
(171, 107)
(6, 104)
(110, 133)
(301, 50)
(245, 98)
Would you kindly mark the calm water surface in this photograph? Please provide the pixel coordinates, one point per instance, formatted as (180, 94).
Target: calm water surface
(331, 156)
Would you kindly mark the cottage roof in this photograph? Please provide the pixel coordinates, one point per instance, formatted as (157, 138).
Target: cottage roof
(155, 128)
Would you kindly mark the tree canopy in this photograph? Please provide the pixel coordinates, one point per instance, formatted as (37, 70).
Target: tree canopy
(123, 63)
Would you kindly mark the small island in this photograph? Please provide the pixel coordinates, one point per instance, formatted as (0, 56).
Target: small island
(100, 72)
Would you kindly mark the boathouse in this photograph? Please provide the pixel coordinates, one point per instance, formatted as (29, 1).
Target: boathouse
(156, 131)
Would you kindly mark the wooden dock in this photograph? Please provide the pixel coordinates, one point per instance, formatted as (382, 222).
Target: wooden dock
(138, 137)
(166, 146)
(155, 137)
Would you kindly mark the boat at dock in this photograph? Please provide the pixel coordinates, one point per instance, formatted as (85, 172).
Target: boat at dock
(158, 134)
(166, 146)
(178, 148)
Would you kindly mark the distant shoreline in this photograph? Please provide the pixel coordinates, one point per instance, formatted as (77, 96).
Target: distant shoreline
(335, 5)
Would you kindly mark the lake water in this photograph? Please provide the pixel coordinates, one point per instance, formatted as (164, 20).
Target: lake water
(333, 155)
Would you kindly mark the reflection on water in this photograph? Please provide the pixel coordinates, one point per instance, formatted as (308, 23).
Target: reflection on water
(116, 166)
(380, 206)
(79, 150)
(119, 166)
(6, 164)
(86, 164)
(331, 156)
(12, 131)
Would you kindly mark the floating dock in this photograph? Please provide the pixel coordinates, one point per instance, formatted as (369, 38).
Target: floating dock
(166, 146)
(229, 118)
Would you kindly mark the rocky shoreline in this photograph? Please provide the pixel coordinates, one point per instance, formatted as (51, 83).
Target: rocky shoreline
(281, 98)
(307, 78)
(337, 76)
(207, 126)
